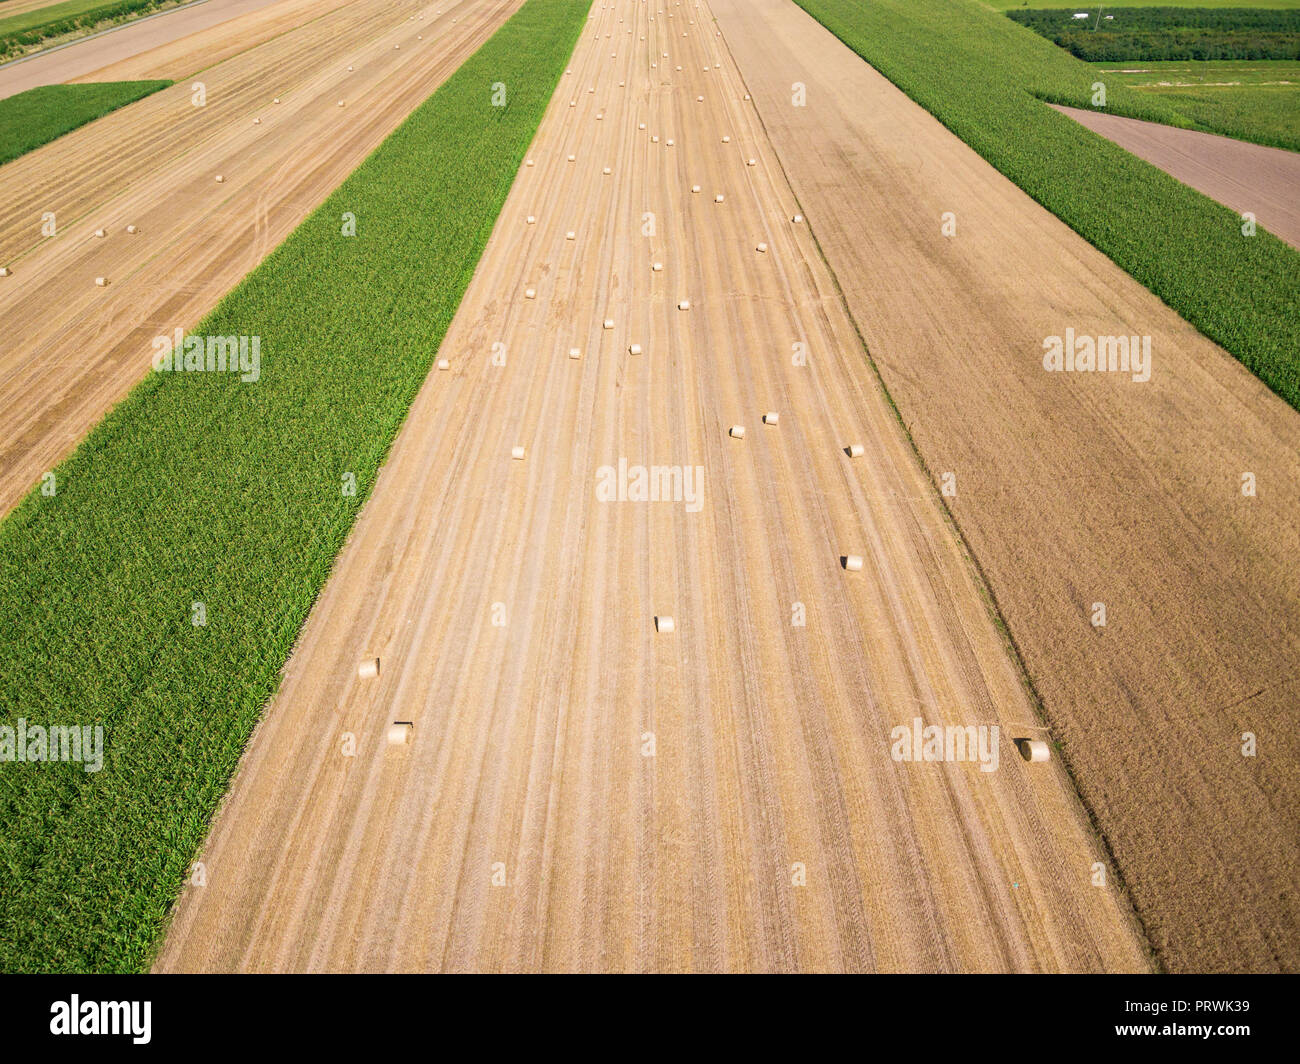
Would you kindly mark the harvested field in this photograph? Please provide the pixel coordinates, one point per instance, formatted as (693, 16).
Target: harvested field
(60, 58)
(205, 47)
(1246, 177)
(584, 786)
(178, 550)
(1074, 489)
(75, 349)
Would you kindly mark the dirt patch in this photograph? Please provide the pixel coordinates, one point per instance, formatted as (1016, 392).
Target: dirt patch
(1246, 177)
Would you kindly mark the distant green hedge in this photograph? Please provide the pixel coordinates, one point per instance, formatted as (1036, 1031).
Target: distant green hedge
(38, 116)
(1176, 33)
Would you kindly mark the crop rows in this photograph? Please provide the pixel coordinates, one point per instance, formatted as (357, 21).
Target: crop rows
(200, 488)
(1241, 291)
(37, 116)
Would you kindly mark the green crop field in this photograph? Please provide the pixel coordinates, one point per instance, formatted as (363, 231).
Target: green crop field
(1241, 291)
(1252, 101)
(33, 29)
(38, 116)
(200, 488)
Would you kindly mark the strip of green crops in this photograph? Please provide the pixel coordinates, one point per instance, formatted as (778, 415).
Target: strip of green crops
(25, 31)
(38, 116)
(986, 78)
(200, 488)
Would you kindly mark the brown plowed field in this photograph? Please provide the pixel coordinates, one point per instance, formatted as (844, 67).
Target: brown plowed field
(1246, 177)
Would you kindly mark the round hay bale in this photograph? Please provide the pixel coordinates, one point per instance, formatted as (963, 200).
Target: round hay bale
(517, 453)
(368, 669)
(399, 733)
(771, 417)
(736, 432)
(1034, 750)
(664, 624)
(853, 563)
(856, 450)
(634, 349)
